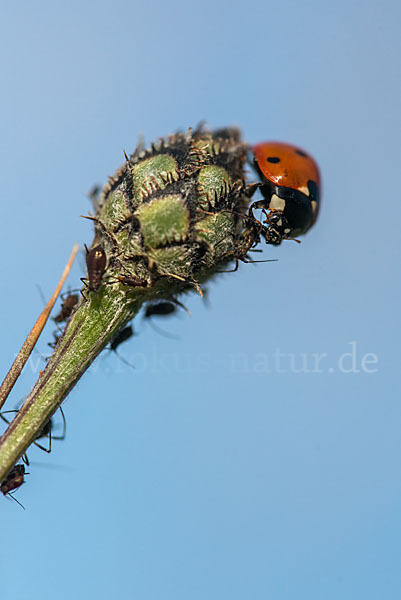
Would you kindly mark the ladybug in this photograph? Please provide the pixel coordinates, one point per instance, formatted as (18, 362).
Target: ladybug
(290, 184)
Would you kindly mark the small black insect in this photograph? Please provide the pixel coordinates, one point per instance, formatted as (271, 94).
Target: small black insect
(66, 308)
(96, 265)
(132, 281)
(122, 336)
(56, 339)
(162, 308)
(13, 481)
(46, 431)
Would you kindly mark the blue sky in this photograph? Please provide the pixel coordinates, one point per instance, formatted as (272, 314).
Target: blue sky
(226, 464)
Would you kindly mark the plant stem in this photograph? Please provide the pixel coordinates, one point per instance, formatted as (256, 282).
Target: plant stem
(97, 319)
(33, 336)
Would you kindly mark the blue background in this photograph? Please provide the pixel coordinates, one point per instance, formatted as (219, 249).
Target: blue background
(205, 473)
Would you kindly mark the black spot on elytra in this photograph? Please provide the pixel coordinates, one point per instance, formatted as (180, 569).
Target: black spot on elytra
(301, 153)
(273, 159)
(313, 190)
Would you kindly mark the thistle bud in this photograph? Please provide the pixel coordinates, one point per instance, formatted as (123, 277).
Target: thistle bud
(173, 211)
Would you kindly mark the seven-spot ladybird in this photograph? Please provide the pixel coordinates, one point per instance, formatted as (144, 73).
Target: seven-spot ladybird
(290, 184)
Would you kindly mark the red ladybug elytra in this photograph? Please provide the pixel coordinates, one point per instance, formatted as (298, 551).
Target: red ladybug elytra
(290, 184)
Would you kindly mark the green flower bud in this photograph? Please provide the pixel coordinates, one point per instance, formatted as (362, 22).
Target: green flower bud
(173, 210)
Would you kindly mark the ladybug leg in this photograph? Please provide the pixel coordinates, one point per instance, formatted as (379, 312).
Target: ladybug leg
(251, 189)
(273, 233)
(259, 204)
(269, 214)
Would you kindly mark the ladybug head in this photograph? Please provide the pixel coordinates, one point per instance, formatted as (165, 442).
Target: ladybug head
(277, 228)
